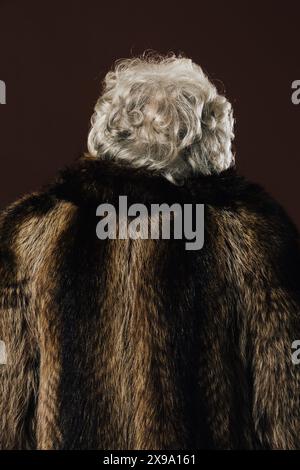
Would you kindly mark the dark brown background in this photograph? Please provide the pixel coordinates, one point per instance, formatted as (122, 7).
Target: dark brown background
(53, 56)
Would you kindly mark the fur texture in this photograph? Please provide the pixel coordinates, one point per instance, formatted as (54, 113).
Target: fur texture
(140, 344)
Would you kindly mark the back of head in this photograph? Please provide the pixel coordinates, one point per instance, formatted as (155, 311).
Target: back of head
(162, 112)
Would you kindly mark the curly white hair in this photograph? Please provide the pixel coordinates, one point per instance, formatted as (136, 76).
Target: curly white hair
(162, 112)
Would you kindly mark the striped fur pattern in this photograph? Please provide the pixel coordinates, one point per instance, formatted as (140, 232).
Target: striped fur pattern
(140, 344)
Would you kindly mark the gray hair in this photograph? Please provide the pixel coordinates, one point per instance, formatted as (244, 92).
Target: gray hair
(162, 112)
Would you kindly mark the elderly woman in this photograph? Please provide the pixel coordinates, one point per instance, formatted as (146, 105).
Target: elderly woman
(123, 342)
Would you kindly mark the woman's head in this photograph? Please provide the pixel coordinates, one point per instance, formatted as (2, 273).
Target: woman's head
(162, 112)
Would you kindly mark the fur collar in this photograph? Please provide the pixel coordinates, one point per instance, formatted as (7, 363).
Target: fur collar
(89, 178)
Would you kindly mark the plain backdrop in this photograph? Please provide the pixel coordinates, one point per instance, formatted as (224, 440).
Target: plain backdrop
(53, 56)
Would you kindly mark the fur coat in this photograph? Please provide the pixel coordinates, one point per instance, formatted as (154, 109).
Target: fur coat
(142, 344)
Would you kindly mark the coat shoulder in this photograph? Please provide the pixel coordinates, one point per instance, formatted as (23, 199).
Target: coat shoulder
(259, 234)
(29, 229)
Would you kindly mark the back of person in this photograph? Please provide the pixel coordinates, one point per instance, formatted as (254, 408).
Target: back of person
(149, 296)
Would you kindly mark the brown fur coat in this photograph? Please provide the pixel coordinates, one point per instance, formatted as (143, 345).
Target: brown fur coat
(140, 344)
